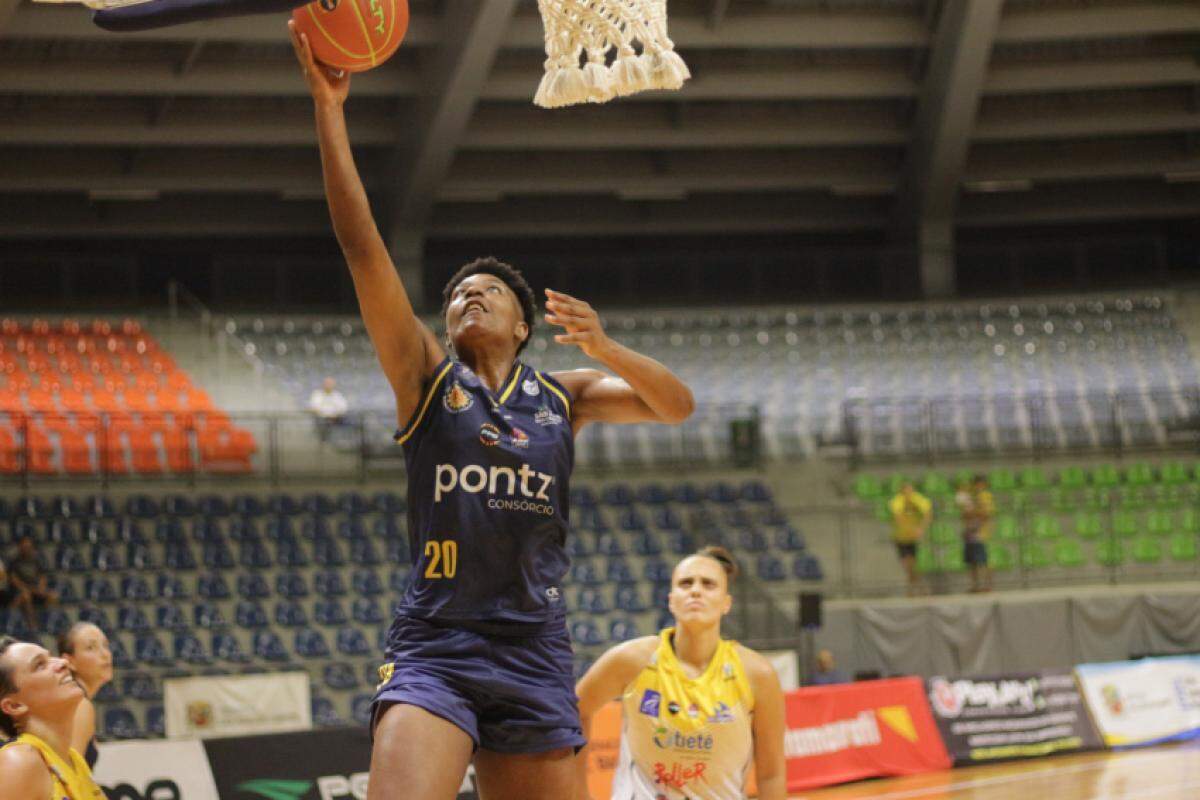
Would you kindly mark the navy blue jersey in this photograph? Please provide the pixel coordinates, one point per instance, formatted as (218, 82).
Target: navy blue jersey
(488, 488)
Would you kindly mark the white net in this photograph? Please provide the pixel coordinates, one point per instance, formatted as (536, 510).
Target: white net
(586, 31)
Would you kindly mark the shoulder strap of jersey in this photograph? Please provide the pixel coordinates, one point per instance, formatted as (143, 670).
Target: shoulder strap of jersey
(556, 388)
(439, 376)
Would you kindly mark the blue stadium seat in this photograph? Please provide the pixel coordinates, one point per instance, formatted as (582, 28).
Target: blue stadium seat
(68, 592)
(366, 611)
(253, 586)
(326, 553)
(167, 616)
(685, 493)
(66, 507)
(244, 530)
(253, 554)
(353, 503)
(291, 585)
(178, 505)
(755, 492)
(131, 618)
(212, 505)
(120, 653)
(128, 530)
(329, 612)
(106, 558)
(388, 503)
(789, 540)
(99, 590)
(770, 568)
(250, 614)
(142, 506)
(311, 643)
(366, 583)
(318, 503)
(398, 580)
(585, 633)
(290, 614)
(168, 530)
(284, 504)
(68, 559)
(323, 713)
(351, 642)
(629, 599)
(140, 557)
(807, 568)
(666, 519)
(207, 529)
(388, 527)
(396, 551)
(329, 584)
(212, 587)
(735, 517)
(119, 723)
(591, 600)
(189, 649)
(340, 676)
(140, 686)
(33, 508)
(277, 528)
(584, 573)
(656, 570)
(360, 709)
(209, 617)
(56, 621)
(751, 541)
(363, 553)
(622, 630)
(647, 544)
(156, 722)
(582, 497)
(616, 494)
(99, 506)
(314, 527)
(64, 532)
(722, 492)
(652, 494)
(248, 505)
(631, 520)
(579, 544)
(95, 616)
(617, 571)
(289, 553)
(681, 543)
(148, 650)
(268, 647)
(171, 587)
(609, 545)
(225, 647)
(179, 556)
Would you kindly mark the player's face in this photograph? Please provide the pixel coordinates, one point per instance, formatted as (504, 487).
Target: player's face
(483, 309)
(44, 683)
(699, 592)
(92, 660)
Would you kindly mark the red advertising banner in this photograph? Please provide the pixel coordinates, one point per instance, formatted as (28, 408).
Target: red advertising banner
(868, 729)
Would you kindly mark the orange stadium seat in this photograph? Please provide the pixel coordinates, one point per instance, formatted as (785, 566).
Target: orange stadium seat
(40, 400)
(76, 453)
(144, 449)
(136, 400)
(40, 451)
(105, 400)
(10, 458)
(177, 443)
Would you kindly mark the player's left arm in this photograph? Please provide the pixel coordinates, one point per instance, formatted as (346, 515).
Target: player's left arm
(770, 765)
(642, 390)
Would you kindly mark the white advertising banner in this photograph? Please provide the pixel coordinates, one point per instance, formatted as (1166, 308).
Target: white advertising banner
(787, 666)
(237, 705)
(1143, 702)
(155, 771)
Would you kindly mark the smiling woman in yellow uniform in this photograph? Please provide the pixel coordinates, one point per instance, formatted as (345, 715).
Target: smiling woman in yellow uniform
(698, 711)
(38, 700)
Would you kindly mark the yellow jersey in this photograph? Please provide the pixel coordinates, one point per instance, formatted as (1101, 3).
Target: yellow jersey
(686, 738)
(908, 514)
(71, 781)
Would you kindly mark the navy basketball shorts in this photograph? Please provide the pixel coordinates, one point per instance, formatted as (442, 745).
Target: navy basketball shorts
(509, 694)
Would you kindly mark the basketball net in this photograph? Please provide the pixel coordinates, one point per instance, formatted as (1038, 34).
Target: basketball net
(584, 31)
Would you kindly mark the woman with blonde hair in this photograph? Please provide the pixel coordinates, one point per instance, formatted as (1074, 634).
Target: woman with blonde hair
(698, 711)
(86, 650)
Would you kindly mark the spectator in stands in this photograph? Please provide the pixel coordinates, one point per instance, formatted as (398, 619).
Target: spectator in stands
(977, 507)
(38, 700)
(330, 408)
(8, 594)
(31, 582)
(911, 514)
(85, 647)
(827, 672)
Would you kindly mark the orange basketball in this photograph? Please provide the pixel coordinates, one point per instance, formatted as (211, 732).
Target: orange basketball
(353, 34)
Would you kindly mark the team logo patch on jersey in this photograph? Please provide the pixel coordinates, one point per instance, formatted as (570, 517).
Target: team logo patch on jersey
(651, 701)
(545, 417)
(457, 399)
(673, 707)
(531, 388)
(553, 594)
(489, 434)
(519, 438)
(385, 674)
(722, 713)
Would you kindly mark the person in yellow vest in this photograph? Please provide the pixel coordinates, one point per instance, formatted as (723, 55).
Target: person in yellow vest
(698, 711)
(911, 515)
(38, 700)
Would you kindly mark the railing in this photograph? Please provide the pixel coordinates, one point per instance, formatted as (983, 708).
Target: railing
(1028, 424)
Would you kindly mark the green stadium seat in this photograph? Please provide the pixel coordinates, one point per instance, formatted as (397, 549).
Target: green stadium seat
(1069, 553)
(896, 483)
(1125, 524)
(943, 533)
(1132, 497)
(1019, 501)
(951, 559)
(1002, 480)
(934, 484)
(1110, 553)
(1147, 550)
(1034, 478)
(963, 476)
(1105, 475)
(1189, 521)
(882, 512)
(926, 559)
(1097, 499)
(1088, 525)
(1072, 478)
(1174, 473)
(1000, 558)
(1139, 474)
(1065, 500)
(867, 487)
(1160, 523)
(1182, 547)
(1046, 527)
(1034, 556)
(1006, 528)
(1162, 496)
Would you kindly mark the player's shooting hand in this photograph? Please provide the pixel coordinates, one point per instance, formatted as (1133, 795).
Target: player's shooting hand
(580, 321)
(327, 85)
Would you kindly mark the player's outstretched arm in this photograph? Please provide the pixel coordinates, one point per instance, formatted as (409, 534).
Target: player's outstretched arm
(769, 724)
(603, 682)
(407, 349)
(643, 390)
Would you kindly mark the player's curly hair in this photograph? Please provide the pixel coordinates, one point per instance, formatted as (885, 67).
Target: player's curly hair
(512, 277)
(723, 557)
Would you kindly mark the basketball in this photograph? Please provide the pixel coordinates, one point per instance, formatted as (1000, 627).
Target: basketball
(354, 35)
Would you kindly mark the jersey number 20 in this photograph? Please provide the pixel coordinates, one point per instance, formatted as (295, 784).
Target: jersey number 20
(443, 559)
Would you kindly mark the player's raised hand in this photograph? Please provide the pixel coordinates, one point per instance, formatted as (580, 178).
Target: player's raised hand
(581, 322)
(324, 83)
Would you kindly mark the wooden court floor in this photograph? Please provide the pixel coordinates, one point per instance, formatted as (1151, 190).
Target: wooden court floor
(1170, 772)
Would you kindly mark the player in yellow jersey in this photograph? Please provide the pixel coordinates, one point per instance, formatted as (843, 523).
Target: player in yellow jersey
(698, 710)
(38, 700)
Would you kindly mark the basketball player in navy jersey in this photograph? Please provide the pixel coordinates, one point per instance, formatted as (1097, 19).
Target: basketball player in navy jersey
(478, 660)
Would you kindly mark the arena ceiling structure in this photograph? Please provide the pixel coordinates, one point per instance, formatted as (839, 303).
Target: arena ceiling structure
(904, 116)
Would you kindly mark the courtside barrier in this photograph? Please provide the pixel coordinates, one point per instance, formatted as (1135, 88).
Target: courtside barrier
(155, 770)
(1137, 703)
(1011, 716)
